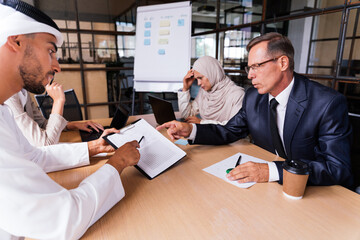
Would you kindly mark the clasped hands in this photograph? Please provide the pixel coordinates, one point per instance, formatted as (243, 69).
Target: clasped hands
(246, 172)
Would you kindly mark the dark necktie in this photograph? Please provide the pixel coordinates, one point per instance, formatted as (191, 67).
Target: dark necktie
(274, 130)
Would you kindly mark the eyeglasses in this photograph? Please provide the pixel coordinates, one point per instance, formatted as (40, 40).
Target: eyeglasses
(255, 66)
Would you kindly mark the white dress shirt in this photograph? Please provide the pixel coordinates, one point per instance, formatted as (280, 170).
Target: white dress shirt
(38, 131)
(32, 204)
(282, 99)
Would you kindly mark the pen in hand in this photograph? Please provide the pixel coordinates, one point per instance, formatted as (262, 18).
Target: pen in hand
(238, 161)
(141, 139)
(237, 164)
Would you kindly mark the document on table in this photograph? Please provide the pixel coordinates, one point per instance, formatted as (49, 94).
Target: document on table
(157, 153)
(219, 169)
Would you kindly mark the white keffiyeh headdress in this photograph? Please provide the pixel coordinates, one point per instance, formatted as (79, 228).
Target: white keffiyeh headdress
(17, 17)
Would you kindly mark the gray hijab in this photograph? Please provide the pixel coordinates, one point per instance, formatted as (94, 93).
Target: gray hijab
(224, 99)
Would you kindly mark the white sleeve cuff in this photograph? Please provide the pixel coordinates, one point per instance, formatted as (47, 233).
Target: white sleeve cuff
(193, 132)
(273, 172)
(108, 187)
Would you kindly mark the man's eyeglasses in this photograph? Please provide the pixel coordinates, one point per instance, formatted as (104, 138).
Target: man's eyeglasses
(255, 66)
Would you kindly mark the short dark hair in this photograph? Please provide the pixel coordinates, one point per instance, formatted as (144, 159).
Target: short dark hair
(277, 44)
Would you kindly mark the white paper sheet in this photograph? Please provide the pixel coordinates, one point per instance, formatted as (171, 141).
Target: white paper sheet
(157, 153)
(219, 169)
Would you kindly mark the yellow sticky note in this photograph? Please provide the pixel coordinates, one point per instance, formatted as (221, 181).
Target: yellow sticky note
(163, 41)
(164, 32)
(164, 23)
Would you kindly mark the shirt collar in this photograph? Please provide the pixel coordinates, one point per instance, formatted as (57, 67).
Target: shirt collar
(23, 97)
(283, 97)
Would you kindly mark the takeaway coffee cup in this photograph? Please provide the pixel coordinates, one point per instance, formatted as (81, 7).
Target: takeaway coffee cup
(295, 176)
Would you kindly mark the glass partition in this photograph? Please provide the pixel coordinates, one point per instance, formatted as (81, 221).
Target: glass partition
(235, 42)
(240, 12)
(126, 43)
(324, 44)
(204, 45)
(203, 16)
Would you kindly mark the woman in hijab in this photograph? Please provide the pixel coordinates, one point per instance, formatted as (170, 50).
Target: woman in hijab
(219, 98)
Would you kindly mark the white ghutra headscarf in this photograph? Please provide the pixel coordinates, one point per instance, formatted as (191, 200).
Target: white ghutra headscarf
(224, 99)
(17, 17)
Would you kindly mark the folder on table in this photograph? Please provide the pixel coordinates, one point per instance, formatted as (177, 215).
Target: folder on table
(157, 153)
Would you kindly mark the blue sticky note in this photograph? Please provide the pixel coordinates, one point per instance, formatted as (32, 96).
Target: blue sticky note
(147, 33)
(181, 142)
(147, 41)
(161, 51)
(180, 22)
(147, 24)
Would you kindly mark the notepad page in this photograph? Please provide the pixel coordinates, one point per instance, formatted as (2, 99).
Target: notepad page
(157, 153)
(219, 169)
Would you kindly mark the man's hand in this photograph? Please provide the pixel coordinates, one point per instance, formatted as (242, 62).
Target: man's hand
(100, 145)
(85, 126)
(250, 172)
(126, 155)
(192, 119)
(176, 129)
(188, 80)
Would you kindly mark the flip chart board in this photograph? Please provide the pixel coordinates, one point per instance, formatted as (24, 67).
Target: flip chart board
(163, 47)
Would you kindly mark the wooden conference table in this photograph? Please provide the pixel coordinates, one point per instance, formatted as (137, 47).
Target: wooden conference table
(188, 203)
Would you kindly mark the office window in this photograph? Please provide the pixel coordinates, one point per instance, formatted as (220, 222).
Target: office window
(240, 12)
(103, 26)
(87, 45)
(324, 43)
(125, 27)
(350, 64)
(126, 43)
(203, 15)
(85, 25)
(280, 8)
(235, 54)
(105, 48)
(203, 46)
(69, 51)
(70, 24)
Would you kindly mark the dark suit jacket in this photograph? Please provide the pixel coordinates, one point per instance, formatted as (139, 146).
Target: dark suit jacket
(316, 130)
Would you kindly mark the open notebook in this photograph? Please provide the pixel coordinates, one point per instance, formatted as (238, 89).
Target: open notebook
(157, 153)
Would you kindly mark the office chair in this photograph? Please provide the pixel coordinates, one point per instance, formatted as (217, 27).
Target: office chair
(72, 109)
(355, 150)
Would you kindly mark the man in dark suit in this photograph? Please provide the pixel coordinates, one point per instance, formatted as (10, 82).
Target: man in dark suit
(285, 113)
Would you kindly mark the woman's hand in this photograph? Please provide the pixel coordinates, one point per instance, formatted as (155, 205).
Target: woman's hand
(55, 91)
(188, 80)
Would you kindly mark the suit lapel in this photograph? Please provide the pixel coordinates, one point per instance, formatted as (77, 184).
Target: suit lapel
(295, 108)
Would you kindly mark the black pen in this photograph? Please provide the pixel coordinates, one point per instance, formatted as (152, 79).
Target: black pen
(45, 95)
(238, 161)
(141, 139)
(237, 164)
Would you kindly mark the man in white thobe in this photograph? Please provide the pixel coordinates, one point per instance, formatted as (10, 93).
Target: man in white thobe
(31, 204)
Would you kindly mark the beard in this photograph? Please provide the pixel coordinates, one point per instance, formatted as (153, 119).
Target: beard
(29, 82)
(32, 73)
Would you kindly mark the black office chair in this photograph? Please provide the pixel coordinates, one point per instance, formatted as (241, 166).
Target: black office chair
(72, 109)
(355, 150)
